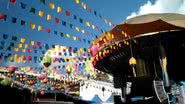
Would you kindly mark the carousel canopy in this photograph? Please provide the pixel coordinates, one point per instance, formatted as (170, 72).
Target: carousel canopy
(143, 25)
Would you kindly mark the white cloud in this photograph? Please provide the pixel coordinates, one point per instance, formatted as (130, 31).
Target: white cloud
(161, 6)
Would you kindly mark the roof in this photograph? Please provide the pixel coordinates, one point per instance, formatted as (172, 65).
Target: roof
(144, 24)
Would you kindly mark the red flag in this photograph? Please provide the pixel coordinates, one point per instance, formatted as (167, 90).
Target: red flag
(57, 20)
(3, 16)
(87, 32)
(79, 39)
(67, 13)
(48, 30)
(29, 50)
(34, 46)
(39, 44)
(13, 1)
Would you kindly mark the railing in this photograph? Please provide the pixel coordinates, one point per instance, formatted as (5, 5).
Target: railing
(52, 102)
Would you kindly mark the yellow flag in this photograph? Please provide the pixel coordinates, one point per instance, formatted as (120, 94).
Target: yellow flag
(77, 1)
(16, 56)
(32, 26)
(31, 42)
(39, 28)
(20, 45)
(83, 31)
(26, 46)
(49, 17)
(16, 49)
(110, 24)
(59, 9)
(23, 40)
(12, 58)
(77, 29)
(75, 54)
(51, 5)
(105, 20)
(87, 24)
(74, 37)
(68, 35)
(92, 26)
(23, 50)
(41, 13)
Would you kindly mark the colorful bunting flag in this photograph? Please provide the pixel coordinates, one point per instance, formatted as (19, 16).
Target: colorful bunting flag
(87, 24)
(39, 28)
(48, 30)
(41, 13)
(5, 36)
(77, 29)
(39, 44)
(42, 1)
(3, 16)
(74, 17)
(23, 22)
(26, 46)
(59, 9)
(67, 13)
(68, 35)
(49, 17)
(12, 1)
(77, 1)
(51, 5)
(57, 20)
(23, 6)
(64, 23)
(31, 42)
(19, 45)
(14, 38)
(32, 10)
(14, 20)
(16, 49)
(23, 50)
(32, 26)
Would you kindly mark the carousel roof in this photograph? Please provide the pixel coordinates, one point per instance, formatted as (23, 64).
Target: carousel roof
(143, 25)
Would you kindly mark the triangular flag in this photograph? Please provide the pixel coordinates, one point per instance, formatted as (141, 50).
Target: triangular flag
(75, 17)
(81, 20)
(32, 26)
(23, 6)
(42, 1)
(29, 50)
(87, 24)
(23, 40)
(41, 13)
(32, 10)
(57, 20)
(77, 29)
(83, 5)
(3, 16)
(39, 44)
(51, 5)
(12, 1)
(19, 45)
(14, 20)
(48, 30)
(77, 1)
(61, 34)
(5, 36)
(49, 17)
(67, 13)
(68, 35)
(39, 28)
(31, 42)
(64, 23)
(59, 9)
(23, 22)
(23, 50)
(14, 38)
(90, 10)
(16, 49)
(71, 26)
(26, 46)
(74, 37)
